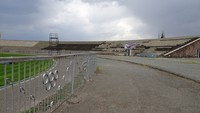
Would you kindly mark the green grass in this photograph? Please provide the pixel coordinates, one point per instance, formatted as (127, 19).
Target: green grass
(19, 70)
(13, 55)
(190, 62)
(98, 70)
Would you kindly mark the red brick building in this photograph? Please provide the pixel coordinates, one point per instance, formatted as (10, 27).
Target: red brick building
(190, 49)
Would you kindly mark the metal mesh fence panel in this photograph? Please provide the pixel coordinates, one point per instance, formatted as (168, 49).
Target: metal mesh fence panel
(41, 84)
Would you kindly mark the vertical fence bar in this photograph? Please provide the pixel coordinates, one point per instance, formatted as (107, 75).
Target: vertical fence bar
(46, 97)
(73, 73)
(40, 87)
(55, 95)
(59, 86)
(49, 96)
(52, 92)
(34, 82)
(56, 90)
(12, 80)
(19, 101)
(49, 93)
(30, 99)
(44, 86)
(5, 86)
(24, 87)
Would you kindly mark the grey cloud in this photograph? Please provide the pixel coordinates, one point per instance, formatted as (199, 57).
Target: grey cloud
(17, 16)
(175, 17)
(26, 19)
(18, 7)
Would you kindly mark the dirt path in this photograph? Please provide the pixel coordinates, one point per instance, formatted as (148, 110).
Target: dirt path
(126, 88)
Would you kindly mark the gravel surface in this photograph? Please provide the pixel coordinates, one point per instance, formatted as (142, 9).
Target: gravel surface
(185, 67)
(122, 87)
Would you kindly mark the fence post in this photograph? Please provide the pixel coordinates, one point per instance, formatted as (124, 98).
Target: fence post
(73, 73)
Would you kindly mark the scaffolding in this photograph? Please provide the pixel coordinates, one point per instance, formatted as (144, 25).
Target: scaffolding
(53, 39)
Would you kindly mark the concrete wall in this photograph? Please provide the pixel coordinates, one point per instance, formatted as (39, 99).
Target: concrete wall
(188, 51)
(18, 43)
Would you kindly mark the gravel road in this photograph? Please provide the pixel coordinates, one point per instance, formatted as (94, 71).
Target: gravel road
(122, 87)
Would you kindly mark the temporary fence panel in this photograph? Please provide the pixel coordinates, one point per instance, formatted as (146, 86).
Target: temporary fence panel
(41, 84)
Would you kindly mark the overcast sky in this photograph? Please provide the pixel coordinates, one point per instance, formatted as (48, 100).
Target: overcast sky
(83, 20)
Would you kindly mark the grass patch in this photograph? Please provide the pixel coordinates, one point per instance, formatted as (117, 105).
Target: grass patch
(98, 70)
(13, 55)
(23, 70)
(190, 62)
